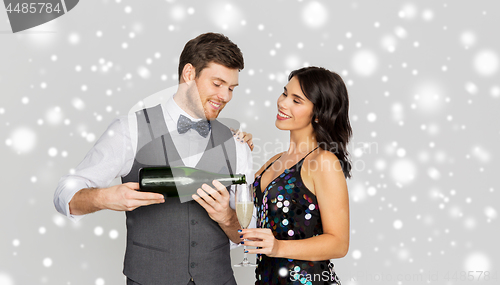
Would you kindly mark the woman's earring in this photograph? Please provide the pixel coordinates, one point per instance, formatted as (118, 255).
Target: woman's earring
(316, 121)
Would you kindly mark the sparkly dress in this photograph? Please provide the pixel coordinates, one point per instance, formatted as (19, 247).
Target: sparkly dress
(291, 211)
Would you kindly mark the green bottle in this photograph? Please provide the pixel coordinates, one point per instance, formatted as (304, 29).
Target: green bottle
(181, 181)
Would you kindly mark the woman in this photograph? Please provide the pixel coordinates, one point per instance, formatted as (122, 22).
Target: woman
(301, 194)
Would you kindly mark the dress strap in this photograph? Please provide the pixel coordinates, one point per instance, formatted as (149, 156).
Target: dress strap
(299, 164)
(269, 166)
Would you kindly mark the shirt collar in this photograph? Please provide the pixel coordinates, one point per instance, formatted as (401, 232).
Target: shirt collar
(174, 111)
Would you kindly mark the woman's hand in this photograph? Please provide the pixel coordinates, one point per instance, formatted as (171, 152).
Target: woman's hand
(243, 137)
(263, 239)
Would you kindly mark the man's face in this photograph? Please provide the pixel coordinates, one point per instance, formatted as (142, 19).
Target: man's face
(214, 87)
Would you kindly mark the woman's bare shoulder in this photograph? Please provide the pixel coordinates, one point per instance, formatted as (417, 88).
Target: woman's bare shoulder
(323, 161)
(268, 163)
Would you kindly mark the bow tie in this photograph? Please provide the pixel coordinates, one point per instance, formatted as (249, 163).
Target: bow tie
(184, 124)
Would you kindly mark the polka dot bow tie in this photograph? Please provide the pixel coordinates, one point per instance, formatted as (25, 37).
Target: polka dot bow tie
(184, 124)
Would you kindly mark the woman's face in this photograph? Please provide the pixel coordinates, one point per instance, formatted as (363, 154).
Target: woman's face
(294, 109)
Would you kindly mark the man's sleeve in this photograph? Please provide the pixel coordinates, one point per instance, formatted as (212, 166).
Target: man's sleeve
(110, 157)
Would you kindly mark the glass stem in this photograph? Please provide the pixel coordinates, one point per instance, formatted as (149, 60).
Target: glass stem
(245, 259)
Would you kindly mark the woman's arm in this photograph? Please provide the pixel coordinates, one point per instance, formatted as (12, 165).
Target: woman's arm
(331, 191)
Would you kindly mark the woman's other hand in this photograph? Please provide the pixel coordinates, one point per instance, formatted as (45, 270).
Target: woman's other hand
(263, 239)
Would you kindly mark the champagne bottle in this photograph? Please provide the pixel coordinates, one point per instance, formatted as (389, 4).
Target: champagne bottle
(181, 181)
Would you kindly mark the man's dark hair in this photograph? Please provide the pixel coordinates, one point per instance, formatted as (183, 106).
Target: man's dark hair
(210, 47)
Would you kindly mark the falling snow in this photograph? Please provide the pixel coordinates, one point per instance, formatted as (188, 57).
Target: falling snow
(424, 99)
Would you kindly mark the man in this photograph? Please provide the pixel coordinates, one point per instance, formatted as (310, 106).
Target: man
(169, 242)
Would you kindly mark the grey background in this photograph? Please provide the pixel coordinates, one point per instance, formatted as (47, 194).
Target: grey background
(424, 92)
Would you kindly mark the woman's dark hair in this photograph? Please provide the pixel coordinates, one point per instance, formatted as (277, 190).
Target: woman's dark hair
(210, 47)
(327, 91)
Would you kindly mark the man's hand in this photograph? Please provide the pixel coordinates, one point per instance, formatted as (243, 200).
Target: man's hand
(123, 197)
(215, 202)
(244, 137)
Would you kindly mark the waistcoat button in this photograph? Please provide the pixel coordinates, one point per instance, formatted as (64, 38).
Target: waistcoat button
(193, 243)
(193, 265)
(193, 222)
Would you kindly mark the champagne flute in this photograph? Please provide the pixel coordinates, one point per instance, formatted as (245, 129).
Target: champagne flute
(244, 210)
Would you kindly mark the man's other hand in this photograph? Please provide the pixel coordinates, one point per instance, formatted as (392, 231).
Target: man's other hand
(125, 197)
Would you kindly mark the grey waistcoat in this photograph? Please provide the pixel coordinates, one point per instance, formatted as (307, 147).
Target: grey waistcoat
(172, 242)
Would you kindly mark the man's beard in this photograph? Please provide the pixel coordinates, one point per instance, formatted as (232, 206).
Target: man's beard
(194, 101)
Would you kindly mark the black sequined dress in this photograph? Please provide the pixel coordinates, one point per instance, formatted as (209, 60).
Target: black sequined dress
(291, 211)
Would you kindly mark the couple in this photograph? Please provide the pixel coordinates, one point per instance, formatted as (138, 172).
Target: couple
(302, 212)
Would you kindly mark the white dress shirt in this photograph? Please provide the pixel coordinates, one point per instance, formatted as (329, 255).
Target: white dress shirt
(113, 156)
